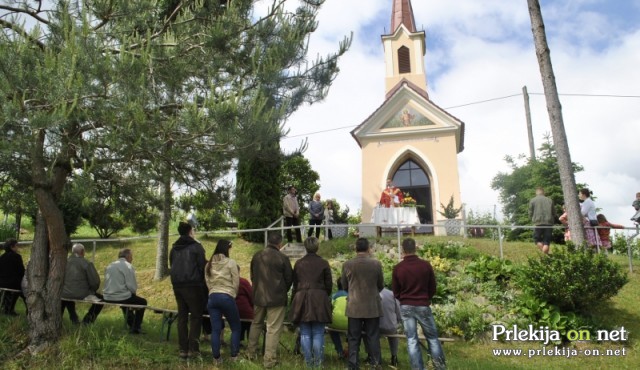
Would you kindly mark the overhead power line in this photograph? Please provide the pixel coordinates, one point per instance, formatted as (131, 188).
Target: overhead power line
(475, 103)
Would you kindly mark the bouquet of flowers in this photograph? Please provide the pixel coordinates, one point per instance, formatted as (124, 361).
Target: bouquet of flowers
(408, 201)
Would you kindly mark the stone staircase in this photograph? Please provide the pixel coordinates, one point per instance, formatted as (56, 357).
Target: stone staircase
(294, 250)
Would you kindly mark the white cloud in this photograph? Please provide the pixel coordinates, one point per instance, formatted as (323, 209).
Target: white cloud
(478, 51)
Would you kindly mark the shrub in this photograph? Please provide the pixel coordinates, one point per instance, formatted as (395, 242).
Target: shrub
(533, 311)
(449, 250)
(572, 280)
(619, 245)
(6, 232)
(488, 268)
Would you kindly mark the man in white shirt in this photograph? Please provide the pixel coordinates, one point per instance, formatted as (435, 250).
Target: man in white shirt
(120, 286)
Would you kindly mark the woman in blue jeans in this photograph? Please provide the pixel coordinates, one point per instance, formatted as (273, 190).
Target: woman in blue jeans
(311, 306)
(221, 274)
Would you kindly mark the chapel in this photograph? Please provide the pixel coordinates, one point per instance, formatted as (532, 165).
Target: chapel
(408, 138)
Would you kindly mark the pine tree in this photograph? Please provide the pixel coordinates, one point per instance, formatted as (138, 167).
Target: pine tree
(174, 90)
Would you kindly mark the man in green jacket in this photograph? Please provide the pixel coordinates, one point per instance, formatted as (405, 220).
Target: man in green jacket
(272, 276)
(542, 216)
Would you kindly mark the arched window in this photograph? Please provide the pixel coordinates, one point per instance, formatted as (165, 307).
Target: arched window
(404, 60)
(411, 178)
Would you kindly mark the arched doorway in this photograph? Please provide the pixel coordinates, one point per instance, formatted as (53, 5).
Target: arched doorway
(412, 179)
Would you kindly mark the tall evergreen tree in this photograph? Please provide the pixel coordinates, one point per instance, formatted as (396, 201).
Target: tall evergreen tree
(176, 88)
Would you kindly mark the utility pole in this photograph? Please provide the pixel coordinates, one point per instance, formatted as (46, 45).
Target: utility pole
(527, 111)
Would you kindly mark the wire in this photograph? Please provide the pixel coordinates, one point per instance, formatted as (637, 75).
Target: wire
(595, 95)
(474, 103)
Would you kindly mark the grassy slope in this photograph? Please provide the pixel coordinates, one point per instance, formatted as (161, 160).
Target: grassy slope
(106, 345)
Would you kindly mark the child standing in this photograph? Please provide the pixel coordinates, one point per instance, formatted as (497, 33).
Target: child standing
(604, 230)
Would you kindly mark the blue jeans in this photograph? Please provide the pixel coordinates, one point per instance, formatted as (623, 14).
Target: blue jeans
(411, 316)
(223, 304)
(312, 342)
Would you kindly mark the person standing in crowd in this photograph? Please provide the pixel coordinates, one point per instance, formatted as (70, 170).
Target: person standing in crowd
(389, 322)
(542, 216)
(244, 301)
(272, 276)
(316, 209)
(414, 285)
(339, 319)
(362, 279)
(223, 280)
(81, 281)
(310, 305)
(120, 286)
(187, 260)
(11, 273)
(604, 231)
(588, 211)
(291, 211)
(328, 218)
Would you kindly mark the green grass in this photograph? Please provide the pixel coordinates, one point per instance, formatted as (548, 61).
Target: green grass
(106, 344)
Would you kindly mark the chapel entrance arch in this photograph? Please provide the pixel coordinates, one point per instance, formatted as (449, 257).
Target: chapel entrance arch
(411, 178)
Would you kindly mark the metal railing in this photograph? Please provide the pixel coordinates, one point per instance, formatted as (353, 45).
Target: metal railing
(398, 229)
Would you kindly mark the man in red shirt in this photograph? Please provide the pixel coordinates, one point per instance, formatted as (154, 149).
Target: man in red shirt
(414, 284)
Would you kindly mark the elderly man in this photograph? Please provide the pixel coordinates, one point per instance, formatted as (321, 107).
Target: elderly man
(363, 280)
(81, 281)
(272, 276)
(120, 286)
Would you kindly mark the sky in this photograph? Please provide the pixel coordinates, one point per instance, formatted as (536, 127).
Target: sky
(480, 51)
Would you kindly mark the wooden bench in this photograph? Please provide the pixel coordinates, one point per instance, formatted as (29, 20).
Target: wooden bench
(399, 336)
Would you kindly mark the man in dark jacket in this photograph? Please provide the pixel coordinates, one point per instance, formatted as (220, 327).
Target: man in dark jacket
(187, 261)
(81, 281)
(11, 273)
(272, 275)
(363, 280)
(414, 284)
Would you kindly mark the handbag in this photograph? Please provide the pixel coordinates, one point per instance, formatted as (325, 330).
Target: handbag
(594, 222)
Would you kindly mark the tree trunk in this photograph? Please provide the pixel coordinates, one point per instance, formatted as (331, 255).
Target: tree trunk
(45, 275)
(558, 132)
(18, 222)
(162, 257)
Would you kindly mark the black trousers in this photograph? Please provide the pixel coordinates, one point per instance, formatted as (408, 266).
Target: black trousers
(134, 316)
(317, 224)
(191, 306)
(9, 302)
(91, 315)
(371, 328)
(245, 327)
(293, 221)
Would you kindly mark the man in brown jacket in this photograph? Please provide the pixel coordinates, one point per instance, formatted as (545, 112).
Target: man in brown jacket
(362, 279)
(272, 275)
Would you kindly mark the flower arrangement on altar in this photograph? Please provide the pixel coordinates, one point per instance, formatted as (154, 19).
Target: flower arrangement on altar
(408, 201)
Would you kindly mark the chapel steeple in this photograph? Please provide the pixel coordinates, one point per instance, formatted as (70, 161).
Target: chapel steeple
(404, 49)
(402, 13)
